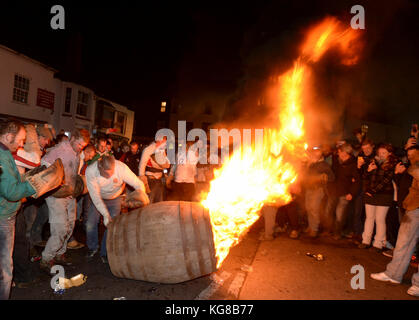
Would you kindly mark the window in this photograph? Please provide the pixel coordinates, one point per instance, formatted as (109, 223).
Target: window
(67, 104)
(120, 122)
(163, 107)
(21, 89)
(104, 115)
(82, 103)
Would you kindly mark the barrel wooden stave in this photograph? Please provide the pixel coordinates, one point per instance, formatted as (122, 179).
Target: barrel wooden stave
(165, 242)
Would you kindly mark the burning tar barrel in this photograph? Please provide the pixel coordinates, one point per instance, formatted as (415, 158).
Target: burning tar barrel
(165, 242)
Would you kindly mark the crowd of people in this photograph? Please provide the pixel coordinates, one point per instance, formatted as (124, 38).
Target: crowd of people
(363, 191)
(344, 192)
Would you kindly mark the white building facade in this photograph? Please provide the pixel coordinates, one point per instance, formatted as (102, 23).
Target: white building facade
(30, 92)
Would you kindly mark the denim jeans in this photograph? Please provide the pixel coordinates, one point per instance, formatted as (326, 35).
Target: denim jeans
(341, 214)
(40, 220)
(92, 221)
(406, 244)
(375, 215)
(313, 201)
(23, 268)
(62, 215)
(83, 204)
(7, 238)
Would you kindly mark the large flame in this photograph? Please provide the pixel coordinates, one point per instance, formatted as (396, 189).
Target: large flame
(252, 178)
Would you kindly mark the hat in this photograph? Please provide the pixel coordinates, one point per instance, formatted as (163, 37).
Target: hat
(44, 131)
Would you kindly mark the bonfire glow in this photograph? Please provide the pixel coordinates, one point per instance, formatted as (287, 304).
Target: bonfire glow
(252, 178)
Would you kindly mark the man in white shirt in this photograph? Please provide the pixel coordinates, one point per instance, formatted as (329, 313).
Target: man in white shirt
(106, 180)
(183, 173)
(152, 165)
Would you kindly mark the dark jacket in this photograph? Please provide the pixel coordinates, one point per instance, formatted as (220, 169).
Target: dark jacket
(314, 172)
(380, 186)
(133, 161)
(403, 182)
(347, 178)
(364, 167)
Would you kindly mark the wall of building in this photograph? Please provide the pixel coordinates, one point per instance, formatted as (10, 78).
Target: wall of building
(40, 77)
(63, 113)
(67, 121)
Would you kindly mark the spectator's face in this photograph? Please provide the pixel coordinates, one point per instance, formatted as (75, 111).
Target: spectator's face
(367, 149)
(412, 154)
(134, 148)
(88, 155)
(343, 155)
(359, 136)
(78, 145)
(43, 142)
(125, 149)
(383, 154)
(17, 141)
(102, 146)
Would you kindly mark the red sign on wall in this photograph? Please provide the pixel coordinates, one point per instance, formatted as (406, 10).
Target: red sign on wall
(45, 99)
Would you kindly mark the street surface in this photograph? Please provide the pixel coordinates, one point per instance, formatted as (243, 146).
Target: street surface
(254, 269)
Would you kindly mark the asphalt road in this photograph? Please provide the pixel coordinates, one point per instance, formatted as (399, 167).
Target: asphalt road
(254, 269)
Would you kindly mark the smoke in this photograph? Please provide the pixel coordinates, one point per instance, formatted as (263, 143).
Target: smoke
(334, 91)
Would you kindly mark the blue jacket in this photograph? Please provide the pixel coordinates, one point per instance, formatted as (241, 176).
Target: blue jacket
(12, 189)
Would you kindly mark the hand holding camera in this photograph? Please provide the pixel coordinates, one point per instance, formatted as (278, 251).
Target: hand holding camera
(361, 162)
(372, 166)
(400, 168)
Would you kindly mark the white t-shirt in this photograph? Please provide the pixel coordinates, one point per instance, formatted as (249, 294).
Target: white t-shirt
(185, 168)
(110, 188)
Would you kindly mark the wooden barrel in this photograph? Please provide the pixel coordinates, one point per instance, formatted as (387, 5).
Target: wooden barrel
(165, 242)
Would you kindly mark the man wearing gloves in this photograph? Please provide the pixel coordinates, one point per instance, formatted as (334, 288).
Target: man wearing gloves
(14, 188)
(106, 180)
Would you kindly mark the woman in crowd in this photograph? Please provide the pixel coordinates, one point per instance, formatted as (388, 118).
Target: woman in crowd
(378, 196)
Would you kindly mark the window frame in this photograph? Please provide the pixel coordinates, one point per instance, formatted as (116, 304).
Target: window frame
(83, 103)
(22, 91)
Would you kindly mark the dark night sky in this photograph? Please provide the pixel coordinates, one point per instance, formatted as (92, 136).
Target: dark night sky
(137, 53)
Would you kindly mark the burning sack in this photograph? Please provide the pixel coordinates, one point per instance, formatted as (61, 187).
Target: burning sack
(45, 179)
(136, 199)
(164, 242)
